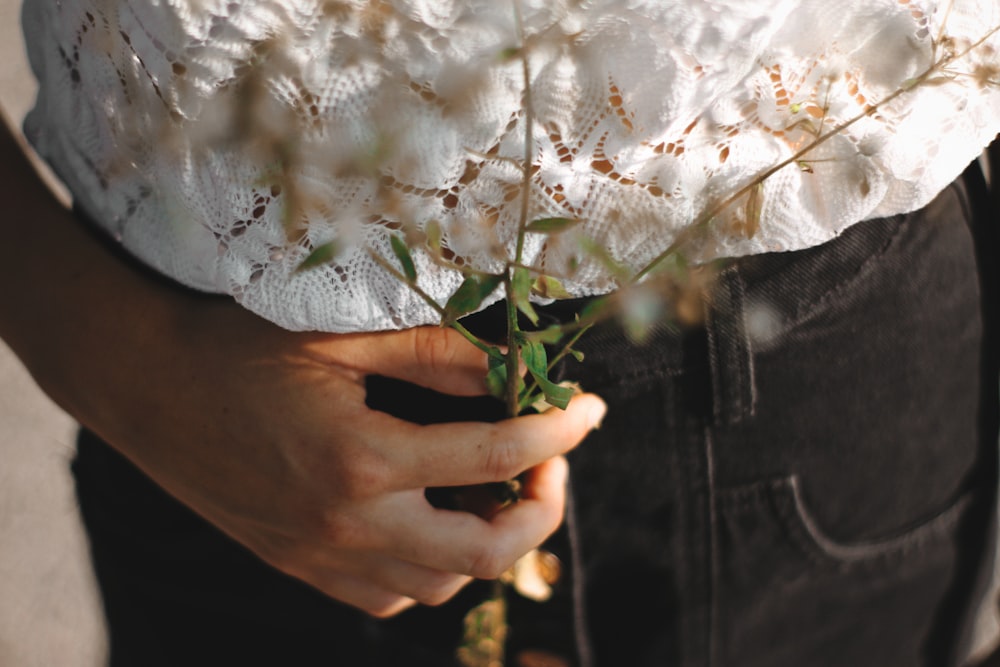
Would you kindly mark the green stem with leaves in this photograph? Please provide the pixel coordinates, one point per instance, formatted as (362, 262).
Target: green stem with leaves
(512, 358)
(429, 300)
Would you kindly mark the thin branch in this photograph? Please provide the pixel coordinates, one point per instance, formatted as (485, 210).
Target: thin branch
(944, 22)
(706, 219)
(529, 134)
(429, 300)
(512, 357)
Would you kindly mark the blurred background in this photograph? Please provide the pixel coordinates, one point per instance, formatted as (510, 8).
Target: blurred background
(49, 611)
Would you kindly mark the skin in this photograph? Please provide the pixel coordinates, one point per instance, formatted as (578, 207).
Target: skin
(265, 432)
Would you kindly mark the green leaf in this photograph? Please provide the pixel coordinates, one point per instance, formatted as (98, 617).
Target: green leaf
(551, 225)
(534, 355)
(470, 296)
(434, 235)
(320, 255)
(510, 53)
(550, 335)
(577, 354)
(550, 288)
(403, 255)
(535, 358)
(555, 395)
(496, 377)
(521, 284)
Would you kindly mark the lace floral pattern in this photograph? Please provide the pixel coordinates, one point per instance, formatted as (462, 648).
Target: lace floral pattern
(222, 142)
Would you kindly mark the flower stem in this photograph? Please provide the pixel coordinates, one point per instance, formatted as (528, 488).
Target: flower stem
(513, 351)
(706, 219)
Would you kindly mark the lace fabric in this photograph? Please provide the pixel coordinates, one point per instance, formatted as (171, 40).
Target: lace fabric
(224, 142)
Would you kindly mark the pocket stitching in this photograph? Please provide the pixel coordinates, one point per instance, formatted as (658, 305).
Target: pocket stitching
(804, 532)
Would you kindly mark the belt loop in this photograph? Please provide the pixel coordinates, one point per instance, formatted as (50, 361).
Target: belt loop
(734, 393)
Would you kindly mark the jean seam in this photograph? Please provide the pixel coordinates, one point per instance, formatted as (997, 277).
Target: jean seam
(714, 578)
(783, 495)
(730, 357)
(894, 547)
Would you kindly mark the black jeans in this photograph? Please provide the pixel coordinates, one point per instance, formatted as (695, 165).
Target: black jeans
(805, 480)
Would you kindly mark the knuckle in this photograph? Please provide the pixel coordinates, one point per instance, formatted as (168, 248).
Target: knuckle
(361, 474)
(432, 348)
(503, 458)
(342, 530)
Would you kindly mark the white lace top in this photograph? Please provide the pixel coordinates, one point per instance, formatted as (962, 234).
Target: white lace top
(223, 141)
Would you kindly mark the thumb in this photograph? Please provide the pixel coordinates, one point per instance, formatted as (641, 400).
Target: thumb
(433, 357)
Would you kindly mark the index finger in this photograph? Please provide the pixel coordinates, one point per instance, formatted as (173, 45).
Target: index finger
(462, 453)
(433, 357)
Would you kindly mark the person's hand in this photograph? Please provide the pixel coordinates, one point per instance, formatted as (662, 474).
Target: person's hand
(266, 432)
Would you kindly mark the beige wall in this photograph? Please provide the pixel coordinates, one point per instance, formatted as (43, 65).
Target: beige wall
(49, 613)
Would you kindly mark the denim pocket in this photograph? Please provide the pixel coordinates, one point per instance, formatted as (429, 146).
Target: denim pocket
(786, 592)
(776, 508)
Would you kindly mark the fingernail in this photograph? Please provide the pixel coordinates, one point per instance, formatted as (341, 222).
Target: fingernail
(596, 415)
